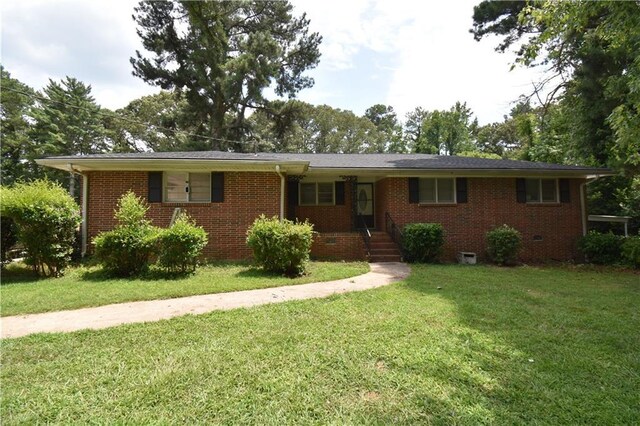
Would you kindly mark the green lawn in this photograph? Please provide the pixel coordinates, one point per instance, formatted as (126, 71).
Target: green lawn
(493, 346)
(21, 293)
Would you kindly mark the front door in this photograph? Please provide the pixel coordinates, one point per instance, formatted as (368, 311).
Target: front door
(364, 201)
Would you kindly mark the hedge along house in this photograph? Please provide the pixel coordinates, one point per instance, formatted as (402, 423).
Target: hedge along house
(357, 202)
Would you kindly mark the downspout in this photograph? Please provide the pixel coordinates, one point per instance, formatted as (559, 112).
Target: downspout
(583, 204)
(282, 188)
(85, 203)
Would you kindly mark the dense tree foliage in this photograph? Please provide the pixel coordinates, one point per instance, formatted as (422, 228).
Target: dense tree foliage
(386, 121)
(592, 106)
(223, 55)
(67, 122)
(309, 128)
(159, 122)
(16, 103)
(447, 132)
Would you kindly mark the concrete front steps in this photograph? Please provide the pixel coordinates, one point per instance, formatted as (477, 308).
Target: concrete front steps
(383, 249)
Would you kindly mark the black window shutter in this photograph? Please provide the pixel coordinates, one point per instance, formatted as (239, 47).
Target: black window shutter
(339, 193)
(461, 190)
(154, 194)
(414, 190)
(217, 187)
(565, 192)
(292, 193)
(521, 190)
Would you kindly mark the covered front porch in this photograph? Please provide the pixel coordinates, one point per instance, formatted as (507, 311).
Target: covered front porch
(342, 209)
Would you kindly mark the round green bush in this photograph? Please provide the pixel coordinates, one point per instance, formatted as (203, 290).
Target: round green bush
(599, 248)
(422, 242)
(127, 249)
(503, 245)
(180, 245)
(281, 246)
(631, 251)
(47, 219)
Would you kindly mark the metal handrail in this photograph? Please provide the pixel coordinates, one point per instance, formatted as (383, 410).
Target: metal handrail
(366, 236)
(392, 229)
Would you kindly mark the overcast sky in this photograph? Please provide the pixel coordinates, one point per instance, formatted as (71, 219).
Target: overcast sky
(401, 53)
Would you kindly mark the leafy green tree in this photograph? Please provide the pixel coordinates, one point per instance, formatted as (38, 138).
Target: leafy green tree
(302, 127)
(158, 122)
(386, 121)
(223, 54)
(591, 51)
(447, 132)
(16, 103)
(413, 128)
(68, 122)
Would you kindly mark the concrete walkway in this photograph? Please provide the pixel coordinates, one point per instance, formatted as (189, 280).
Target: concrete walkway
(153, 310)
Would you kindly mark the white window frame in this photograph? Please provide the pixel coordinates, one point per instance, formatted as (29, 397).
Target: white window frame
(165, 178)
(317, 203)
(556, 186)
(437, 201)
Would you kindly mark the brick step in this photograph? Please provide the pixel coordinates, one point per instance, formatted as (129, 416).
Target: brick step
(383, 244)
(393, 250)
(381, 240)
(385, 258)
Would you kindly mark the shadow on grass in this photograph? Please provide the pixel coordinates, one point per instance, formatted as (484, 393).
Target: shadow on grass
(153, 274)
(544, 328)
(17, 273)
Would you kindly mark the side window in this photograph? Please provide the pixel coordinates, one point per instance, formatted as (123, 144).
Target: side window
(541, 190)
(437, 190)
(182, 187)
(317, 193)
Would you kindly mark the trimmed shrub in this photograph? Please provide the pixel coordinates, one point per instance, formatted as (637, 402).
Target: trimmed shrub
(281, 246)
(47, 219)
(422, 242)
(603, 249)
(180, 245)
(503, 244)
(631, 251)
(127, 249)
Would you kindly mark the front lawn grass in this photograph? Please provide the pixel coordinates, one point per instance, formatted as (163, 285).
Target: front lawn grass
(492, 346)
(84, 286)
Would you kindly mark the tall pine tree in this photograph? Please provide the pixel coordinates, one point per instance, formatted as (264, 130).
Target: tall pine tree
(223, 54)
(68, 122)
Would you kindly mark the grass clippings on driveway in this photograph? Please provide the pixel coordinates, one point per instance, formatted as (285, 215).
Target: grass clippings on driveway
(82, 287)
(493, 346)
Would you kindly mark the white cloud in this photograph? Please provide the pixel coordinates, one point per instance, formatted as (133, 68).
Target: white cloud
(400, 52)
(427, 45)
(91, 41)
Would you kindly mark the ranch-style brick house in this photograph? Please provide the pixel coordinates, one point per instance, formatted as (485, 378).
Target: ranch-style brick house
(357, 202)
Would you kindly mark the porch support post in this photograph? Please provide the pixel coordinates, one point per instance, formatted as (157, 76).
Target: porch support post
(282, 189)
(353, 182)
(292, 195)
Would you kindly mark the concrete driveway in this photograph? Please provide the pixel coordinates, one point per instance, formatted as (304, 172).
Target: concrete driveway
(153, 310)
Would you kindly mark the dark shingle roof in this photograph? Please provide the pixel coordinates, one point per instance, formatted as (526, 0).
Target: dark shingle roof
(348, 161)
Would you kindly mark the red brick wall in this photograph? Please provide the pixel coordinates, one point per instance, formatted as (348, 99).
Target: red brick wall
(491, 202)
(329, 218)
(338, 246)
(246, 196)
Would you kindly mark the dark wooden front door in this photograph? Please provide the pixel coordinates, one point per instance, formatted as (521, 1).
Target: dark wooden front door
(364, 202)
